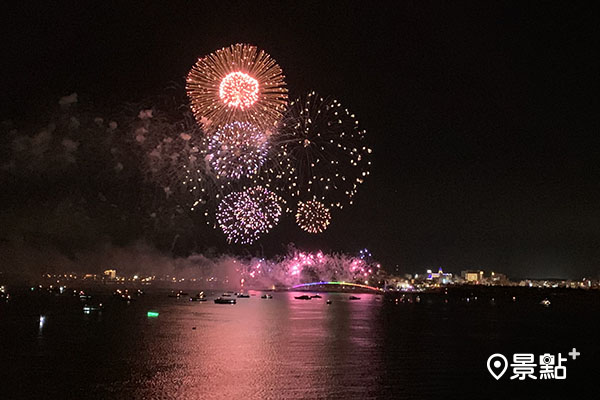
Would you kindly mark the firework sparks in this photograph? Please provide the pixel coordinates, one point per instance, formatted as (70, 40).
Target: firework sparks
(301, 267)
(201, 183)
(245, 216)
(312, 216)
(237, 149)
(319, 152)
(237, 83)
(238, 89)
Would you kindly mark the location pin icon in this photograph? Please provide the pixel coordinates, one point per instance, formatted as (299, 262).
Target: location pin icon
(497, 365)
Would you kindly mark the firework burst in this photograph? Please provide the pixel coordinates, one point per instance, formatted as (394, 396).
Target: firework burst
(245, 216)
(302, 267)
(237, 149)
(312, 216)
(237, 83)
(319, 152)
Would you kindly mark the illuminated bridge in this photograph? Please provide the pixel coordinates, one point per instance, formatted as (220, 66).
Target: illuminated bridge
(342, 284)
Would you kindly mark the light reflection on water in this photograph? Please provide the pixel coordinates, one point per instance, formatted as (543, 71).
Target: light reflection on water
(277, 348)
(263, 348)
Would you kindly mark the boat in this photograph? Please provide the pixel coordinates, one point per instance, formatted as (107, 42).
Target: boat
(220, 300)
(178, 294)
(266, 296)
(303, 297)
(315, 296)
(198, 297)
(83, 296)
(545, 303)
(3, 294)
(88, 309)
(354, 298)
(123, 295)
(243, 296)
(329, 301)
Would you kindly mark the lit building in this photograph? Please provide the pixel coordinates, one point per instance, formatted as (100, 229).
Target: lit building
(441, 277)
(398, 283)
(499, 279)
(110, 273)
(474, 277)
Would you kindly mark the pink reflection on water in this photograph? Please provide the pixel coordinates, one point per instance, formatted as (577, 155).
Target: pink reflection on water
(265, 348)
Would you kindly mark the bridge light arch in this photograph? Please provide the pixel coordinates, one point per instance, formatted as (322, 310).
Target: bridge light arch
(337, 283)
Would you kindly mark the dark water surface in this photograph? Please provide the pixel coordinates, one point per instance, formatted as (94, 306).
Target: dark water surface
(287, 348)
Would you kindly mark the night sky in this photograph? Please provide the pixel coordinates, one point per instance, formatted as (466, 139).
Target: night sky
(483, 117)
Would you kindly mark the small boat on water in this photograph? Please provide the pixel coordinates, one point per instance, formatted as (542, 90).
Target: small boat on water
(303, 297)
(545, 303)
(315, 296)
(220, 300)
(178, 294)
(354, 298)
(266, 296)
(198, 297)
(84, 296)
(90, 308)
(329, 301)
(243, 296)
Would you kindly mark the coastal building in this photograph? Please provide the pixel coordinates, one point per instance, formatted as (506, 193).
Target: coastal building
(395, 282)
(474, 277)
(440, 277)
(497, 279)
(110, 274)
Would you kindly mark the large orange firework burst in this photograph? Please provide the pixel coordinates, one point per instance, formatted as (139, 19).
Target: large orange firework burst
(237, 83)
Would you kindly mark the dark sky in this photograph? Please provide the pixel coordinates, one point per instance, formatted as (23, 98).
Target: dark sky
(483, 117)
